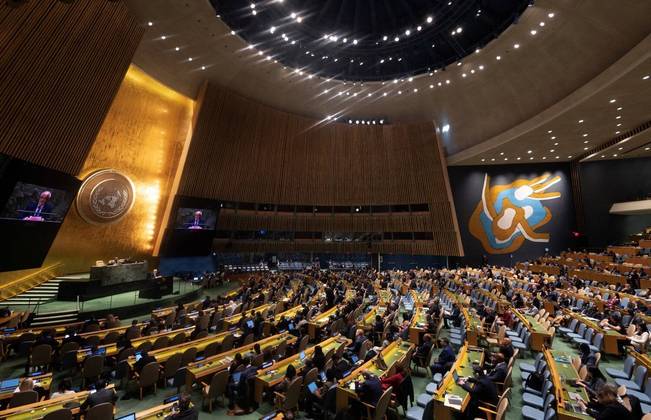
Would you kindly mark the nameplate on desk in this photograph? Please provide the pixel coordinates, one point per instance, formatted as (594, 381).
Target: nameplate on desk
(453, 401)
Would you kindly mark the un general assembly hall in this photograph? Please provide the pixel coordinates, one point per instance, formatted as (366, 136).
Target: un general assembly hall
(325, 209)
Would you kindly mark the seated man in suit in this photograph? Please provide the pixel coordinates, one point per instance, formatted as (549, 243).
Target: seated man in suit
(196, 222)
(100, 396)
(423, 350)
(482, 390)
(445, 360)
(40, 210)
(498, 373)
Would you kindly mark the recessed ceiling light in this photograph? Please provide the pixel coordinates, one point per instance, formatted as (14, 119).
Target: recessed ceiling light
(612, 101)
(190, 59)
(646, 77)
(498, 58)
(585, 134)
(585, 148)
(506, 158)
(569, 157)
(533, 32)
(407, 32)
(550, 15)
(177, 49)
(647, 148)
(203, 67)
(399, 92)
(551, 150)
(529, 151)
(232, 32)
(516, 46)
(555, 144)
(429, 19)
(150, 23)
(396, 39)
(558, 157)
(492, 159)
(481, 67)
(620, 148)
(619, 124)
(531, 158)
(384, 94)
(586, 142)
(617, 132)
(553, 137)
(501, 153)
(464, 75)
(431, 86)
(619, 108)
(518, 158)
(544, 157)
(163, 37)
(445, 128)
(618, 117)
(541, 24)
(549, 131)
(580, 121)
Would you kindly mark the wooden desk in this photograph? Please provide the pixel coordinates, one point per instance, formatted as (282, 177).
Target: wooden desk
(540, 336)
(463, 367)
(113, 349)
(624, 250)
(538, 268)
(103, 333)
(368, 320)
(59, 330)
(288, 314)
(611, 337)
(39, 409)
(235, 319)
(562, 374)
(273, 375)
(13, 317)
(599, 277)
(418, 325)
(395, 353)
(208, 367)
(163, 354)
(44, 381)
(320, 321)
(158, 412)
(474, 327)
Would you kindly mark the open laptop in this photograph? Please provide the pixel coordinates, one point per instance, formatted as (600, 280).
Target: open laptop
(138, 356)
(312, 387)
(131, 416)
(171, 399)
(9, 384)
(302, 355)
(250, 324)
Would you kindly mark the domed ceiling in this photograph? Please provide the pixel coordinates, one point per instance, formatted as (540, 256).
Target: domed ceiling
(367, 40)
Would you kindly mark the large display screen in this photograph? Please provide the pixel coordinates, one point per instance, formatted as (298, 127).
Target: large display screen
(34, 201)
(195, 219)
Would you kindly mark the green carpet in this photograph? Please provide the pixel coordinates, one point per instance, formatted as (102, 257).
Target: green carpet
(14, 368)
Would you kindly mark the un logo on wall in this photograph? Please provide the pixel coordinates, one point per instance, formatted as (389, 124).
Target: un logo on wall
(105, 196)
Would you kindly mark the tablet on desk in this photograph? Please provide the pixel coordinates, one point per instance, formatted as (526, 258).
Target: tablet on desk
(302, 355)
(312, 387)
(138, 356)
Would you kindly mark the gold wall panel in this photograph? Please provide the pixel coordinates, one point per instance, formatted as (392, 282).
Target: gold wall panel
(142, 136)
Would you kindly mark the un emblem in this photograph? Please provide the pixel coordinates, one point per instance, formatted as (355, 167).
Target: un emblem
(105, 196)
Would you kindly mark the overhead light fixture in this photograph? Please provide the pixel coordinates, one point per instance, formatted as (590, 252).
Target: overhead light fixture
(550, 15)
(429, 19)
(612, 101)
(150, 23)
(516, 46)
(445, 128)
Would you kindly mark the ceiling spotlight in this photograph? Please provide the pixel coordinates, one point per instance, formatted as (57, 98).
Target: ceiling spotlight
(384, 94)
(399, 92)
(612, 101)
(533, 32)
(646, 77)
(203, 67)
(498, 58)
(407, 32)
(396, 39)
(549, 131)
(419, 28)
(481, 67)
(272, 29)
(585, 134)
(415, 90)
(429, 19)
(618, 117)
(529, 151)
(293, 15)
(516, 46)
(299, 19)
(163, 37)
(445, 128)
(501, 153)
(190, 59)
(150, 23)
(254, 13)
(550, 15)
(232, 32)
(619, 108)
(447, 82)
(586, 142)
(384, 38)
(431, 86)
(354, 42)
(459, 29)
(177, 49)
(252, 5)
(541, 24)
(585, 148)
(580, 121)
(553, 137)
(464, 75)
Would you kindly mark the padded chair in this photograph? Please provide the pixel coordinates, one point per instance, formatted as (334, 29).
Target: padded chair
(289, 400)
(60, 414)
(144, 346)
(92, 368)
(538, 401)
(303, 344)
(227, 343)
(379, 411)
(635, 383)
(528, 367)
(281, 350)
(41, 356)
(597, 343)
(189, 356)
(586, 339)
(498, 412)
(102, 411)
(644, 397)
(578, 334)
(532, 413)
(216, 389)
(23, 398)
(111, 337)
(161, 342)
(211, 349)
(570, 328)
(148, 377)
(248, 339)
(171, 366)
(178, 339)
(624, 373)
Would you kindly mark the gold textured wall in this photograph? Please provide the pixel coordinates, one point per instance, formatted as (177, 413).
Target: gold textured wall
(142, 136)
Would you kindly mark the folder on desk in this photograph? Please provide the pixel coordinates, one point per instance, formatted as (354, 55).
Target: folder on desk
(453, 401)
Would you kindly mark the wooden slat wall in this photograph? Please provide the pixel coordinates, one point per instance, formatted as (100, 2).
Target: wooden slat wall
(244, 151)
(60, 68)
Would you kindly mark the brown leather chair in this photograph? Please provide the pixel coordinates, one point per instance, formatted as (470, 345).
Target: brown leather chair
(216, 389)
(102, 411)
(23, 398)
(148, 377)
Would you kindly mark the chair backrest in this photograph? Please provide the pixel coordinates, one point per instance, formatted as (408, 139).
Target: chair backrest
(111, 337)
(227, 343)
(639, 375)
(178, 339)
(172, 364)
(581, 330)
(211, 349)
(588, 334)
(583, 372)
(383, 404)
(60, 414)
(573, 323)
(161, 342)
(93, 366)
(598, 340)
(628, 365)
(647, 387)
(630, 330)
(311, 376)
(23, 398)
(144, 346)
(501, 409)
(188, 356)
(201, 334)
(304, 342)
(149, 374)
(363, 349)
(218, 384)
(41, 355)
(102, 411)
(293, 393)
(281, 350)
(248, 339)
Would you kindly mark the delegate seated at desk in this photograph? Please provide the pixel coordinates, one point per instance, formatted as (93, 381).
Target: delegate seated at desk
(445, 360)
(481, 390)
(100, 396)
